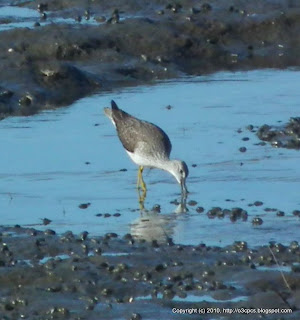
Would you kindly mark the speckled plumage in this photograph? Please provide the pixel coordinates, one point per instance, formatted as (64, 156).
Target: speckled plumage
(141, 135)
(147, 145)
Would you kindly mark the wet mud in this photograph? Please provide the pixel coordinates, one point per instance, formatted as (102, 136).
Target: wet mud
(112, 44)
(52, 62)
(48, 276)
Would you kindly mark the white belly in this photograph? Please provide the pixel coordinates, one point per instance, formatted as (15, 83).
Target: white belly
(140, 160)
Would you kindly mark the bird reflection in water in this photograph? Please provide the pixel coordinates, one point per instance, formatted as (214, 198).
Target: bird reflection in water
(152, 226)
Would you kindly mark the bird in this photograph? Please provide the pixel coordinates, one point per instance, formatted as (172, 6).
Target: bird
(147, 145)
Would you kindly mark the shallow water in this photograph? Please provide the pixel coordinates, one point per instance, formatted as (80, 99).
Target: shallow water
(12, 17)
(54, 161)
(194, 298)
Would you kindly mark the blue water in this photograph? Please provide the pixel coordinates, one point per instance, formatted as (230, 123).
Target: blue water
(44, 170)
(12, 17)
(196, 299)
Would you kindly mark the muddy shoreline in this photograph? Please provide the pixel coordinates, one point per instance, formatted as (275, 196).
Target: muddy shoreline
(68, 276)
(53, 63)
(108, 45)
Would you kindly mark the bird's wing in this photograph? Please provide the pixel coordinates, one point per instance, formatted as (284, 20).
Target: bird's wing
(131, 131)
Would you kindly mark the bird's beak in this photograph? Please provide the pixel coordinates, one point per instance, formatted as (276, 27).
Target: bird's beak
(184, 190)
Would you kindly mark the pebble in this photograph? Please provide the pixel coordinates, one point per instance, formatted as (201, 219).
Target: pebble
(41, 7)
(84, 205)
(25, 101)
(192, 203)
(46, 221)
(257, 221)
(258, 203)
(206, 7)
(160, 267)
(200, 209)
(111, 235)
(49, 232)
(296, 213)
(117, 214)
(83, 235)
(43, 16)
(156, 208)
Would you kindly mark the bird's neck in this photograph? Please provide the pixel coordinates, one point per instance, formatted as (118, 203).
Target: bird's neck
(165, 164)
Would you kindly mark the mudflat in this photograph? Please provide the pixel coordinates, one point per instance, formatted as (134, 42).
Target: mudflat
(48, 276)
(74, 48)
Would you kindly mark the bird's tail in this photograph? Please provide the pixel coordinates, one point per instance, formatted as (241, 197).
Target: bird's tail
(108, 112)
(114, 105)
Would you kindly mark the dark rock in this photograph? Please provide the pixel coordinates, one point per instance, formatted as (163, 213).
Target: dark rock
(84, 205)
(257, 221)
(287, 136)
(200, 209)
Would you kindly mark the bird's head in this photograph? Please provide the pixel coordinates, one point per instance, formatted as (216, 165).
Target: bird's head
(180, 171)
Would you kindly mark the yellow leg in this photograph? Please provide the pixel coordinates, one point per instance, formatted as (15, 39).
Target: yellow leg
(141, 185)
(140, 181)
(142, 198)
(138, 178)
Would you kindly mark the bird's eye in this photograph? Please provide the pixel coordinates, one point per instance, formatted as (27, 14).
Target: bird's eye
(181, 171)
